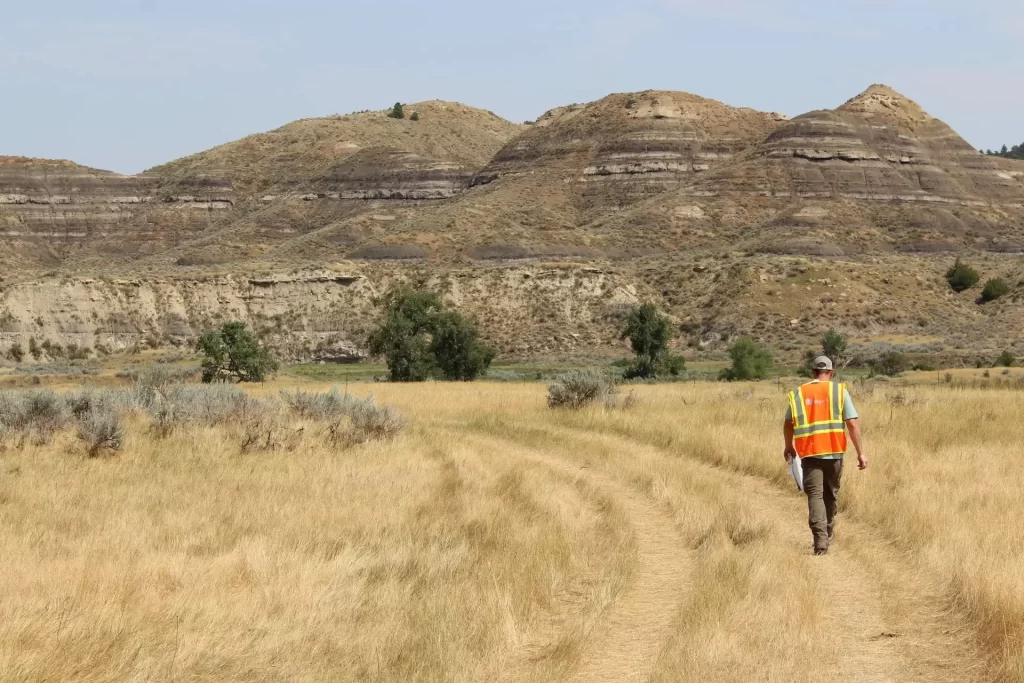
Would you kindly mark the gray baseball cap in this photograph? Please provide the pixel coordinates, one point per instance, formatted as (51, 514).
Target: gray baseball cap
(821, 363)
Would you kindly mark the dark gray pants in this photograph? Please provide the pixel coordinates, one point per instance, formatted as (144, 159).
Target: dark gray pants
(821, 484)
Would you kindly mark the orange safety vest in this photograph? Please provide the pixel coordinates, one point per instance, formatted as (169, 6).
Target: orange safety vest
(818, 427)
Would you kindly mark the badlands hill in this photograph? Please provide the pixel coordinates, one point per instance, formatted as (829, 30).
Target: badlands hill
(734, 220)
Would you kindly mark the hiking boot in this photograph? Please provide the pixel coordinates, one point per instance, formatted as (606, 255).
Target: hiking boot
(821, 551)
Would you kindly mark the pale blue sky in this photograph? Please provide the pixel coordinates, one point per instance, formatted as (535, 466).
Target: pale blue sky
(128, 84)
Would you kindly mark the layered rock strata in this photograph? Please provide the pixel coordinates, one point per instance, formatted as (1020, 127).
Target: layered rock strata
(878, 146)
(629, 146)
(393, 174)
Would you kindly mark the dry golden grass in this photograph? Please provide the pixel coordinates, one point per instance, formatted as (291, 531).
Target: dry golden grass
(500, 540)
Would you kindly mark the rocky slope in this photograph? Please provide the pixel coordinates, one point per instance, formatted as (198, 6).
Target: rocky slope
(299, 155)
(50, 210)
(733, 220)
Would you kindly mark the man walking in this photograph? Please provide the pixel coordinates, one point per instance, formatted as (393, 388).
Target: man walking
(817, 419)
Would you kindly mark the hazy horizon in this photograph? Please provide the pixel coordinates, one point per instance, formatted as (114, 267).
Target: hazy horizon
(123, 86)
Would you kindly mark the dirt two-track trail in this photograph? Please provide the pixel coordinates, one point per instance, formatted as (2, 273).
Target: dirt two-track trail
(884, 623)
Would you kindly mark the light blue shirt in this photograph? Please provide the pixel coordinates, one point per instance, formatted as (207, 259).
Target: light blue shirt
(849, 413)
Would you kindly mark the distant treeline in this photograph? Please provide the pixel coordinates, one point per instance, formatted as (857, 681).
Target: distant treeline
(1015, 152)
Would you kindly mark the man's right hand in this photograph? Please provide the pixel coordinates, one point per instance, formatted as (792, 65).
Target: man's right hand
(862, 461)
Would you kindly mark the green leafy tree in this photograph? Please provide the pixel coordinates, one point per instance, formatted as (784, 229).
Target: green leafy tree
(457, 348)
(232, 352)
(397, 112)
(835, 346)
(750, 360)
(648, 332)
(422, 340)
(890, 363)
(994, 288)
(1006, 359)
(961, 276)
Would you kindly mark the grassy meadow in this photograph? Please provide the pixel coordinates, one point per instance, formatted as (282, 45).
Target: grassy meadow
(497, 539)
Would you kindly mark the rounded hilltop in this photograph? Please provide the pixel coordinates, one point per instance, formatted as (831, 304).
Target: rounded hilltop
(883, 103)
(304, 149)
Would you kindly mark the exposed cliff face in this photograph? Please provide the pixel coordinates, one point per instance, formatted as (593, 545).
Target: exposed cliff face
(58, 201)
(393, 174)
(49, 210)
(630, 146)
(532, 310)
(311, 314)
(877, 146)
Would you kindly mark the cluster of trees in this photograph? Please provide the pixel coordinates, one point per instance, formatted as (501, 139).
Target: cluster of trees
(1015, 152)
(962, 277)
(421, 339)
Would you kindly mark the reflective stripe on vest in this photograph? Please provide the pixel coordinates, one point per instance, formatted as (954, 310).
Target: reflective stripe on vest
(818, 427)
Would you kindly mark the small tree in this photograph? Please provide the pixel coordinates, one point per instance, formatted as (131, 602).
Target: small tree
(994, 288)
(1006, 359)
(458, 351)
(233, 352)
(835, 345)
(16, 353)
(415, 116)
(961, 276)
(421, 340)
(397, 112)
(750, 360)
(648, 333)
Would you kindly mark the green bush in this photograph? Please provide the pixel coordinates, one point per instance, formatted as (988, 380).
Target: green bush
(233, 352)
(16, 353)
(648, 332)
(420, 339)
(397, 112)
(835, 346)
(1006, 359)
(750, 361)
(994, 288)
(961, 276)
(890, 364)
(415, 116)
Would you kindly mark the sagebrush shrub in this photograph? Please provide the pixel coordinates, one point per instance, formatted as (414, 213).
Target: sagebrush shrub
(350, 419)
(580, 388)
(101, 430)
(259, 424)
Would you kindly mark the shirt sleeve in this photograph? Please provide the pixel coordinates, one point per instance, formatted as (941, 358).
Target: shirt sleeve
(849, 411)
(789, 412)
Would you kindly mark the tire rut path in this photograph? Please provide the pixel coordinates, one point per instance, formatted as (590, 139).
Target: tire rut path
(887, 615)
(625, 642)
